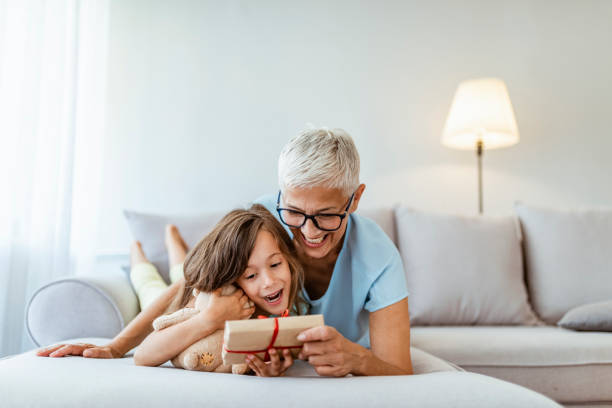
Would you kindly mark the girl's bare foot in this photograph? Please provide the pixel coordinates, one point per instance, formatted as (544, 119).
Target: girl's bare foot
(176, 246)
(137, 255)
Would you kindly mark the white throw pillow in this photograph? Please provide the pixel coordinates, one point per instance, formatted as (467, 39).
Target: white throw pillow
(463, 270)
(568, 257)
(149, 229)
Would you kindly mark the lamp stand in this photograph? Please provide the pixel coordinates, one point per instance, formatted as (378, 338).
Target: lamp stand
(479, 154)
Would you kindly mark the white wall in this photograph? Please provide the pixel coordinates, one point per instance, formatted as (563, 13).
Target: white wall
(203, 94)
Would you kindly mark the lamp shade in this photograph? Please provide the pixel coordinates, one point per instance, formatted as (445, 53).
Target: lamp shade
(481, 110)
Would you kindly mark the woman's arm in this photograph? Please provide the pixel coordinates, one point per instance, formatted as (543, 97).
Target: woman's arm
(333, 355)
(389, 342)
(127, 339)
(160, 346)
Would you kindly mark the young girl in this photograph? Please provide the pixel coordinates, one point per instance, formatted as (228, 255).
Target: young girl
(247, 248)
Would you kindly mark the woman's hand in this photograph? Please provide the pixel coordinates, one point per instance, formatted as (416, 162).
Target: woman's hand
(273, 368)
(232, 307)
(79, 349)
(333, 355)
(329, 352)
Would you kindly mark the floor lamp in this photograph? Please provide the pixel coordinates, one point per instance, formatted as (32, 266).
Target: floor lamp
(481, 117)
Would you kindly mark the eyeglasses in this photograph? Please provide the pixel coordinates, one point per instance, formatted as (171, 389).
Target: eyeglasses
(324, 222)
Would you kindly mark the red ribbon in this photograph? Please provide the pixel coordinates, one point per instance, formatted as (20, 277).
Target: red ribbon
(271, 345)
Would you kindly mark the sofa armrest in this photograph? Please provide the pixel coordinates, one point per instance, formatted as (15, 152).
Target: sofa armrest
(81, 306)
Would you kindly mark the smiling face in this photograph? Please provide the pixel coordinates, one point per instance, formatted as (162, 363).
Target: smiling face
(310, 240)
(267, 278)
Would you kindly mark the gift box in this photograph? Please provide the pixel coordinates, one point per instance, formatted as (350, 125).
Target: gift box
(257, 336)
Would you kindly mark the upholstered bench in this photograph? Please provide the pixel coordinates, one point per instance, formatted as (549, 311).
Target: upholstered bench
(28, 380)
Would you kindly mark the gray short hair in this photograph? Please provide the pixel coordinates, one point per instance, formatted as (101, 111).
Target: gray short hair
(320, 158)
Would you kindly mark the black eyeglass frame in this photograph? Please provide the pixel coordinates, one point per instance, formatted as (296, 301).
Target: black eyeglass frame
(312, 217)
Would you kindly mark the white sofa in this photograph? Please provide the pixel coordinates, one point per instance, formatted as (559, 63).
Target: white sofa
(27, 380)
(484, 296)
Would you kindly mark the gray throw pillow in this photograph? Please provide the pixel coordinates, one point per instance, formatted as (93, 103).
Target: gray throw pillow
(149, 229)
(592, 317)
(568, 256)
(463, 270)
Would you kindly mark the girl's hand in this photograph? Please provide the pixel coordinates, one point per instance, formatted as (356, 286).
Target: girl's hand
(221, 308)
(79, 349)
(274, 367)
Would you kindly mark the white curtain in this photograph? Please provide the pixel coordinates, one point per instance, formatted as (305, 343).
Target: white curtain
(52, 71)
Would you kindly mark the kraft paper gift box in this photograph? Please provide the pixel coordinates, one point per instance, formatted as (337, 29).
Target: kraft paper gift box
(257, 336)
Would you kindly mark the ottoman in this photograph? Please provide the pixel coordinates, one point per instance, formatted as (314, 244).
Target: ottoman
(28, 380)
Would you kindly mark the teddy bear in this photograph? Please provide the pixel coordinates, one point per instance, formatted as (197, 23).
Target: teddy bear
(204, 354)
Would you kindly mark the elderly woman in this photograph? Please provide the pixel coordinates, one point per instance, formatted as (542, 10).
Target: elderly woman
(353, 272)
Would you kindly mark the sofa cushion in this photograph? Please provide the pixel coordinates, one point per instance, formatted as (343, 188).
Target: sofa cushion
(27, 380)
(568, 366)
(568, 257)
(384, 217)
(149, 229)
(592, 317)
(462, 269)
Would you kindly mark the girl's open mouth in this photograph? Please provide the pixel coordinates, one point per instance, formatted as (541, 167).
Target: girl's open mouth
(275, 298)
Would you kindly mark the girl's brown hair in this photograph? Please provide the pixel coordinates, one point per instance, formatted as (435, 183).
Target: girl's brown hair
(222, 256)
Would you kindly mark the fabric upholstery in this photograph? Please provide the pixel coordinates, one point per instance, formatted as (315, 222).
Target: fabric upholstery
(463, 270)
(149, 229)
(76, 382)
(602, 404)
(88, 305)
(568, 258)
(424, 363)
(385, 218)
(565, 384)
(563, 364)
(592, 317)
